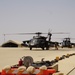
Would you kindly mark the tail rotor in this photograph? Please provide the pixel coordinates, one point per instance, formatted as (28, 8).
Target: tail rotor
(49, 35)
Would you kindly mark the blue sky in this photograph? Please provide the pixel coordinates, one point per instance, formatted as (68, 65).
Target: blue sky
(22, 16)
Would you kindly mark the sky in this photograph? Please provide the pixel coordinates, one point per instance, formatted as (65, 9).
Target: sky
(30, 16)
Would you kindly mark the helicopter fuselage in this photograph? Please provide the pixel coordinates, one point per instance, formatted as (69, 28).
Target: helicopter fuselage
(38, 42)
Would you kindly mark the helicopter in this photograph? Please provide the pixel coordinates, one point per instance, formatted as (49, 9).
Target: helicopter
(39, 41)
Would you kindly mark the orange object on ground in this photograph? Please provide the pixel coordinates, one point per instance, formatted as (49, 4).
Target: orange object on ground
(3, 72)
(47, 72)
(37, 72)
(51, 71)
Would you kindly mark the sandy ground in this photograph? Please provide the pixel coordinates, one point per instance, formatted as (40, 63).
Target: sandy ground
(11, 56)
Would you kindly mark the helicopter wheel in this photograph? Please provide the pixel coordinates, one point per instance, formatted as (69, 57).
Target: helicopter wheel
(62, 47)
(30, 48)
(42, 48)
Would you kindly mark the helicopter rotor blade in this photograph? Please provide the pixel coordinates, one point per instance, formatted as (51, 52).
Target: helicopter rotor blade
(37, 33)
(61, 33)
(19, 34)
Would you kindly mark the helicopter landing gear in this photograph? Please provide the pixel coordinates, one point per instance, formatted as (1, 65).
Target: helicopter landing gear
(42, 48)
(62, 47)
(30, 48)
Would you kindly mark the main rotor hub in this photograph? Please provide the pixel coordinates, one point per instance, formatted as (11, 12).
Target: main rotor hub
(38, 33)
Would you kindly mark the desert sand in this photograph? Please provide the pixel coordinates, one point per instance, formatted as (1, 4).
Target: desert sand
(11, 56)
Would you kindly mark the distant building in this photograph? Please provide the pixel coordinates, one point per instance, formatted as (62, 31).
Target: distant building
(12, 43)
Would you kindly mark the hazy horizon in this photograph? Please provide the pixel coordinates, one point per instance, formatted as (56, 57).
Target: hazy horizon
(24, 16)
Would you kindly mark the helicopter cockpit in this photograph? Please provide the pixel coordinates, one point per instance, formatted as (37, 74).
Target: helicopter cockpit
(37, 40)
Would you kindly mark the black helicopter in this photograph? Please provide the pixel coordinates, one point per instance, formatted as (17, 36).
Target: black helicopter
(39, 41)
